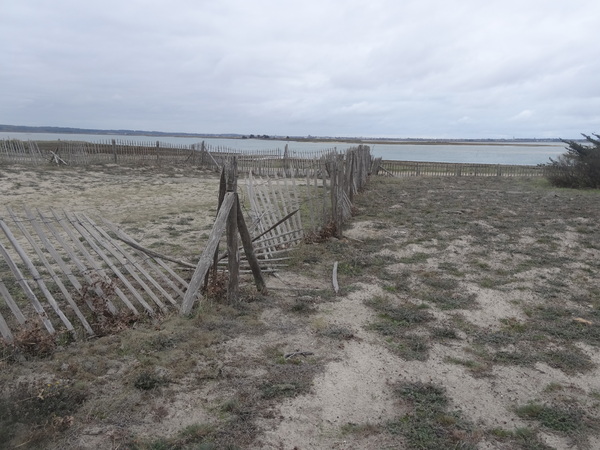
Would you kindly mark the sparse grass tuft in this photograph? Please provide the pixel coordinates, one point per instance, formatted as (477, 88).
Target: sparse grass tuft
(394, 323)
(520, 438)
(149, 380)
(39, 409)
(404, 315)
(430, 425)
(337, 332)
(568, 420)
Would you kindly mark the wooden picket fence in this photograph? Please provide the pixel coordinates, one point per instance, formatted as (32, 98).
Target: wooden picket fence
(270, 162)
(438, 169)
(65, 270)
(13, 151)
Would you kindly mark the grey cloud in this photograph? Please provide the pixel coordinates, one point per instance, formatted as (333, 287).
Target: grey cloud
(411, 68)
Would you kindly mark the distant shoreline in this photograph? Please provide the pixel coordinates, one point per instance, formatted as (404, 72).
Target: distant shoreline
(530, 142)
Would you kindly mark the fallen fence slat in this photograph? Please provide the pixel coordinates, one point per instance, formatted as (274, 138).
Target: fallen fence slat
(121, 235)
(37, 278)
(11, 303)
(82, 268)
(52, 273)
(109, 263)
(4, 330)
(129, 259)
(27, 289)
(124, 263)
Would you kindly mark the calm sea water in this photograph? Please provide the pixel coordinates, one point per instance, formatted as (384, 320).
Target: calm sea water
(484, 153)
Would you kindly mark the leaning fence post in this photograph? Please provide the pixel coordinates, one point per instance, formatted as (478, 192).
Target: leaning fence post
(207, 255)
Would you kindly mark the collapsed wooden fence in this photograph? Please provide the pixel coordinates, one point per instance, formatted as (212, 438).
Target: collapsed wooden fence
(67, 270)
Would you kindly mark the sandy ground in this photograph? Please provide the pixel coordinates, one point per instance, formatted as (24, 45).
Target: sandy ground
(356, 382)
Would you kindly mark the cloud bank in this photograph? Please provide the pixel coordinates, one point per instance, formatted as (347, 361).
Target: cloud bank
(426, 68)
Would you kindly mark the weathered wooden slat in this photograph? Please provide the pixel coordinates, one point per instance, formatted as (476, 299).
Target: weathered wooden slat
(294, 204)
(109, 263)
(278, 202)
(37, 277)
(270, 206)
(114, 250)
(131, 260)
(269, 218)
(11, 303)
(27, 289)
(5, 330)
(53, 275)
(249, 250)
(129, 241)
(82, 267)
(56, 256)
(207, 255)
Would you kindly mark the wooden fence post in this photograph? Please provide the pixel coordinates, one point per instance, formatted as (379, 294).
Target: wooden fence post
(233, 259)
(286, 163)
(337, 189)
(114, 150)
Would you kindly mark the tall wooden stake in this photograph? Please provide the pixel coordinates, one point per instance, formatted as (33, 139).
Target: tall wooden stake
(233, 261)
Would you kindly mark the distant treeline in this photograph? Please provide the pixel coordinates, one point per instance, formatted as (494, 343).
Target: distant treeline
(68, 130)
(309, 138)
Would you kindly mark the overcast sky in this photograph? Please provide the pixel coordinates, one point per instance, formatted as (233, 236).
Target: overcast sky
(387, 68)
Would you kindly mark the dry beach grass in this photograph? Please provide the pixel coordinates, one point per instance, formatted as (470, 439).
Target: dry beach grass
(468, 317)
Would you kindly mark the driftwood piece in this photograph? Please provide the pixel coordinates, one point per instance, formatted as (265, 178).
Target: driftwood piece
(334, 280)
(298, 353)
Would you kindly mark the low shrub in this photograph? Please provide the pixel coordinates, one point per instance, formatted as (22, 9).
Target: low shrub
(579, 167)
